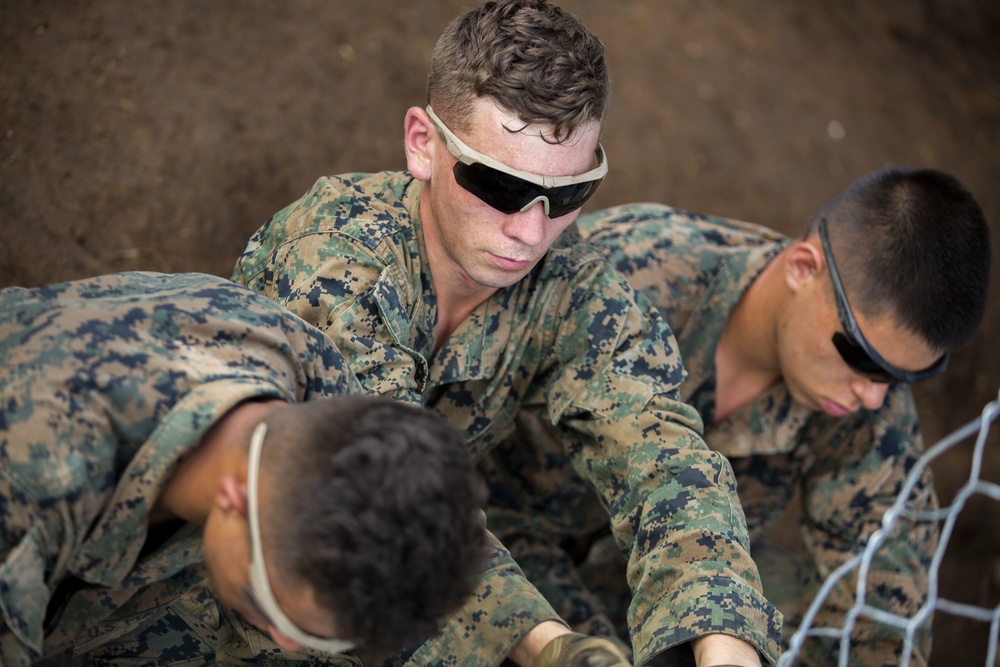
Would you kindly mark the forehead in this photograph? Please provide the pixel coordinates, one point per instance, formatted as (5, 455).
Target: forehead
(499, 133)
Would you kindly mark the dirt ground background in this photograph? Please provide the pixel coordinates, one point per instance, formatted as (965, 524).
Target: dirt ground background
(138, 134)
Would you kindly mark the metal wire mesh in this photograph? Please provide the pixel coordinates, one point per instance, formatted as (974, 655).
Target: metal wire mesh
(900, 511)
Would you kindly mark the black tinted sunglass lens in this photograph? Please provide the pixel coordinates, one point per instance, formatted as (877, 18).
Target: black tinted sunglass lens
(509, 194)
(567, 198)
(503, 192)
(856, 357)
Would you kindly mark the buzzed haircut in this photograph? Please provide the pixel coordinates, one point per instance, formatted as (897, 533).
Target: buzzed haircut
(913, 243)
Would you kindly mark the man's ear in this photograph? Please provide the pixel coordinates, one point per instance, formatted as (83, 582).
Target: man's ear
(231, 494)
(418, 135)
(803, 262)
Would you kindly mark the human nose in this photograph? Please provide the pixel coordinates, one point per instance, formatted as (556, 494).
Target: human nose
(871, 393)
(527, 227)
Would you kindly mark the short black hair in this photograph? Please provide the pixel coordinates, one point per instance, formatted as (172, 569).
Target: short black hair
(913, 243)
(383, 504)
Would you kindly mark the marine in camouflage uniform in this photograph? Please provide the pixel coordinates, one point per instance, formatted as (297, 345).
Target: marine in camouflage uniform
(572, 345)
(847, 471)
(106, 384)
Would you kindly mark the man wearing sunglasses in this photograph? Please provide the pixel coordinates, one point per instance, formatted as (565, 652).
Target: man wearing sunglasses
(799, 357)
(183, 459)
(453, 285)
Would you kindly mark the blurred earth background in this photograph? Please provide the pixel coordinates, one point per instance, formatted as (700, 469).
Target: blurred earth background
(149, 135)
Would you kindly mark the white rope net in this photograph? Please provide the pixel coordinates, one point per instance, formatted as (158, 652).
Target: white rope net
(861, 563)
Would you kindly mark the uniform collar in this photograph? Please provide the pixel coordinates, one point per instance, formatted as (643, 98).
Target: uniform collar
(770, 423)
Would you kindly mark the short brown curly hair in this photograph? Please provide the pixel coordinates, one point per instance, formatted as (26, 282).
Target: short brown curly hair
(531, 57)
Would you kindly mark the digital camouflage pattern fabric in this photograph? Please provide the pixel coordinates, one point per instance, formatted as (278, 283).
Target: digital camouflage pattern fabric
(848, 471)
(105, 384)
(572, 345)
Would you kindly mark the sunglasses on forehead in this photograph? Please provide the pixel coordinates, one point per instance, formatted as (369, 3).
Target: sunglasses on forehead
(851, 344)
(510, 190)
(259, 591)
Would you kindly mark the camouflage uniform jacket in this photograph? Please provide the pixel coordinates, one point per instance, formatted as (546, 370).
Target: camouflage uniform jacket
(105, 384)
(571, 342)
(849, 471)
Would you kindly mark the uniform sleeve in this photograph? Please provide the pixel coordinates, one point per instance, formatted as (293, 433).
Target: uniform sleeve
(343, 287)
(672, 501)
(25, 536)
(846, 495)
(502, 609)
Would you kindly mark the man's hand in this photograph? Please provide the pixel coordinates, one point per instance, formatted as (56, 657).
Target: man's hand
(576, 650)
(724, 651)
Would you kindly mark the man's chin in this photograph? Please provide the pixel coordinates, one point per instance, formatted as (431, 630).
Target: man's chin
(494, 281)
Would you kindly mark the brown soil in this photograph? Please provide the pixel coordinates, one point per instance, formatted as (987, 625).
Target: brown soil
(159, 136)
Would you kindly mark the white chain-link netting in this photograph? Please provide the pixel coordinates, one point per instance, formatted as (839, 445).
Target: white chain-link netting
(900, 512)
